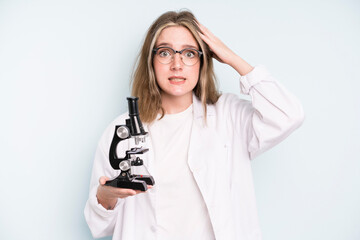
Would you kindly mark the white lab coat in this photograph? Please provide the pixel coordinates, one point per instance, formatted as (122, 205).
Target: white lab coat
(219, 156)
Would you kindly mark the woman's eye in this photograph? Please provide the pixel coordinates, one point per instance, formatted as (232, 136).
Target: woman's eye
(190, 54)
(164, 53)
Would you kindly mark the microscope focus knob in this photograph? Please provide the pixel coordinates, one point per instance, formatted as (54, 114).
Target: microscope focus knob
(123, 132)
(125, 165)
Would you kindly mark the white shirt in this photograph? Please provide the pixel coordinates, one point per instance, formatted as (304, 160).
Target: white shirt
(219, 156)
(180, 209)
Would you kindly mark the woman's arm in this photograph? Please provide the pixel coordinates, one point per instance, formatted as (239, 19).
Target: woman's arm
(105, 202)
(273, 113)
(100, 219)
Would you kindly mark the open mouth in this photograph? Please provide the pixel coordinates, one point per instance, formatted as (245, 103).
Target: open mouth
(177, 80)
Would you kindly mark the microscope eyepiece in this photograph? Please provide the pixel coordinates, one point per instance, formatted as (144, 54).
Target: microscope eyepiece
(134, 123)
(133, 105)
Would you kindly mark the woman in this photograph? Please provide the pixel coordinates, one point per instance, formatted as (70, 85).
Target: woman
(201, 142)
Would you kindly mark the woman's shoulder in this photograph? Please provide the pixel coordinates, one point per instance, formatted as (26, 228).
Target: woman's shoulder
(232, 109)
(227, 103)
(229, 100)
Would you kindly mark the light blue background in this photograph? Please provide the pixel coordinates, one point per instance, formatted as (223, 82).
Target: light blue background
(65, 68)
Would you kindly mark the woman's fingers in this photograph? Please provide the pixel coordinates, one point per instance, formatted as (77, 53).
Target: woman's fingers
(205, 30)
(202, 29)
(123, 192)
(208, 34)
(103, 180)
(205, 38)
(218, 49)
(209, 38)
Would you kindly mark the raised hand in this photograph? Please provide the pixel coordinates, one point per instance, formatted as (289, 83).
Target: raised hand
(222, 53)
(219, 50)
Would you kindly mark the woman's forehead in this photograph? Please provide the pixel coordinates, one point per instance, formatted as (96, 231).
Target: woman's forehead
(176, 36)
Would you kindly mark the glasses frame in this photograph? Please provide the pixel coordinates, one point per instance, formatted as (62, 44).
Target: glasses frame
(180, 52)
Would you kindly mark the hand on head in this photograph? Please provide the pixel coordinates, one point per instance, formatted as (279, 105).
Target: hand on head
(222, 53)
(219, 50)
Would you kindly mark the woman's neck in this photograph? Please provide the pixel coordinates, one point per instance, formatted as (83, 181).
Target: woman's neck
(175, 104)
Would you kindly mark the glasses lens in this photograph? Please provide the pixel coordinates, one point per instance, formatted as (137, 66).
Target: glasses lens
(164, 55)
(190, 56)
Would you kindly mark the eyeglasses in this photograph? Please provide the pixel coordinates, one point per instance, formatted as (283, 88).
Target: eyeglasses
(165, 55)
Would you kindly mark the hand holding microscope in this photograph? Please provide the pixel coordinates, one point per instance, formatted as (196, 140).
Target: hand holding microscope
(133, 128)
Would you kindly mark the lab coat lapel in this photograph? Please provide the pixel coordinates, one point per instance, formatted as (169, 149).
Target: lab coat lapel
(202, 135)
(206, 158)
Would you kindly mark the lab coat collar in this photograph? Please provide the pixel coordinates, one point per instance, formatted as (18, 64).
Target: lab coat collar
(199, 110)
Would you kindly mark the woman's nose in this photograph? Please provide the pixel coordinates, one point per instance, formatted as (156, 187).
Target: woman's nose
(177, 62)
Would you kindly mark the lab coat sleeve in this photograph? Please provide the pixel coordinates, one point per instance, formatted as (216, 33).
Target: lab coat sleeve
(273, 114)
(100, 220)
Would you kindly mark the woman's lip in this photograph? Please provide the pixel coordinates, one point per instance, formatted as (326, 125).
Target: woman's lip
(176, 77)
(177, 80)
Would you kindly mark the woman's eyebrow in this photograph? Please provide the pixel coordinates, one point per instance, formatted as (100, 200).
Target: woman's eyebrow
(170, 45)
(164, 44)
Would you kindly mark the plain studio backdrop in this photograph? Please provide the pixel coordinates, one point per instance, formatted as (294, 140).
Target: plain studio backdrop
(65, 68)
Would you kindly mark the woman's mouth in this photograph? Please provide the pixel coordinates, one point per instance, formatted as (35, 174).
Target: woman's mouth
(177, 80)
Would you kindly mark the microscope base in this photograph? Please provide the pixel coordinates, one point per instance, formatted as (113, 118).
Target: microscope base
(139, 182)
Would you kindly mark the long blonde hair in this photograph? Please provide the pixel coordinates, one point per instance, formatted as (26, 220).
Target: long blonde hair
(144, 85)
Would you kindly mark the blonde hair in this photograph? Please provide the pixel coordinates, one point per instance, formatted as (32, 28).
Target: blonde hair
(144, 85)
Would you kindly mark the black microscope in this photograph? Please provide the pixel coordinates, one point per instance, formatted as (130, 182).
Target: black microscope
(133, 128)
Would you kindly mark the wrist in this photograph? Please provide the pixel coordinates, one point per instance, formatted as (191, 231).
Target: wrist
(240, 65)
(108, 203)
